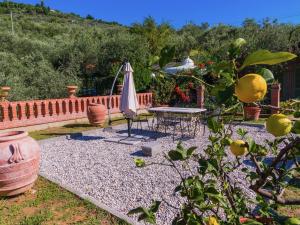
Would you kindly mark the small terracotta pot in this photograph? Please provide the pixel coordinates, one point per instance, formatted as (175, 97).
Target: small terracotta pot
(119, 89)
(96, 114)
(251, 112)
(4, 92)
(19, 162)
(72, 91)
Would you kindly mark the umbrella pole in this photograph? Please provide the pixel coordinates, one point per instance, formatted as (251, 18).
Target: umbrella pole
(129, 127)
(109, 128)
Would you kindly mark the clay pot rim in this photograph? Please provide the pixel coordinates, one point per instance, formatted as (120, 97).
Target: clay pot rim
(12, 135)
(95, 104)
(72, 87)
(256, 107)
(5, 88)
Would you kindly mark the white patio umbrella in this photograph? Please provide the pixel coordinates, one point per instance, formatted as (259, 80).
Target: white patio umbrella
(187, 64)
(129, 102)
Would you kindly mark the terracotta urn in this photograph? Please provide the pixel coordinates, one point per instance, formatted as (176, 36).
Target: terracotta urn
(119, 88)
(72, 91)
(19, 162)
(251, 112)
(4, 92)
(96, 114)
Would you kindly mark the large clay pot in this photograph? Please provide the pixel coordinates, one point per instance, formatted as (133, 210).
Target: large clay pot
(96, 114)
(19, 162)
(252, 112)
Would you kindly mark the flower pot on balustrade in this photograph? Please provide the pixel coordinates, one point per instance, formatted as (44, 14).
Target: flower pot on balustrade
(72, 91)
(119, 89)
(4, 93)
(251, 112)
(19, 162)
(96, 114)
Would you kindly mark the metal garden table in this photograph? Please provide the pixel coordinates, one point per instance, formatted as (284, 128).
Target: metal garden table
(188, 120)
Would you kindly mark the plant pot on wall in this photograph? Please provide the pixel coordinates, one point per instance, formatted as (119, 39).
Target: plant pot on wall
(72, 91)
(96, 114)
(119, 89)
(19, 162)
(251, 112)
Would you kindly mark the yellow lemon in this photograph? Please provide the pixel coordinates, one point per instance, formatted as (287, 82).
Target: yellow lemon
(251, 88)
(212, 221)
(278, 125)
(238, 147)
(292, 221)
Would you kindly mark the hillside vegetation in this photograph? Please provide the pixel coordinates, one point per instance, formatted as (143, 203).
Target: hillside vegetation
(47, 49)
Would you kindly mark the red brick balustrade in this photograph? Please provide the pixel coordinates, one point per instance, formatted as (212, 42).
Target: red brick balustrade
(28, 113)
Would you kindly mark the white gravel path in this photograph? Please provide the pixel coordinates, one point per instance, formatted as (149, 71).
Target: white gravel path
(106, 171)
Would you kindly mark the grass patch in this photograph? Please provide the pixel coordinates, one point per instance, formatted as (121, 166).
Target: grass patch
(292, 192)
(48, 203)
(74, 128)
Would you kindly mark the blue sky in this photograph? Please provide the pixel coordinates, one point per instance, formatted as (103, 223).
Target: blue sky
(180, 12)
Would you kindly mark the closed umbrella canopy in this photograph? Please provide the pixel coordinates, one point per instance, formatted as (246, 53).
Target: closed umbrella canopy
(129, 102)
(187, 64)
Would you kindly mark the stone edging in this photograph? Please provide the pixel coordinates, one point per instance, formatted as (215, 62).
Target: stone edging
(92, 200)
(249, 124)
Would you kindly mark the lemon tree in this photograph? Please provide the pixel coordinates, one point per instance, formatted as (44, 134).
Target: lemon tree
(210, 194)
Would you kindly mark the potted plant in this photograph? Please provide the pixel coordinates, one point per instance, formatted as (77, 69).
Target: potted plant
(72, 91)
(4, 92)
(251, 111)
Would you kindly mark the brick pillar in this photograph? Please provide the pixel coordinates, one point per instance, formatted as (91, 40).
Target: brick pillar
(275, 97)
(200, 96)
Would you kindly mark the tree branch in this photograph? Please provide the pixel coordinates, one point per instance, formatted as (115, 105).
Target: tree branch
(265, 174)
(277, 199)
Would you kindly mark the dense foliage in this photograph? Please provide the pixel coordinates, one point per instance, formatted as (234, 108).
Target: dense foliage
(46, 49)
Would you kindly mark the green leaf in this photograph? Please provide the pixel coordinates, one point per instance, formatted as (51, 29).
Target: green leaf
(252, 222)
(225, 95)
(213, 125)
(203, 165)
(175, 155)
(139, 162)
(297, 114)
(166, 55)
(191, 150)
(267, 74)
(155, 206)
(296, 127)
(242, 132)
(267, 58)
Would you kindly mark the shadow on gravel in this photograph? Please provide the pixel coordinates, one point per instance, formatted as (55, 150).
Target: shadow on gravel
(147, 133)
(138, 153)
(80, 137)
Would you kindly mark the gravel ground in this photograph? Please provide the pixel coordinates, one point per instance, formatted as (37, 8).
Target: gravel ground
(106, 171)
